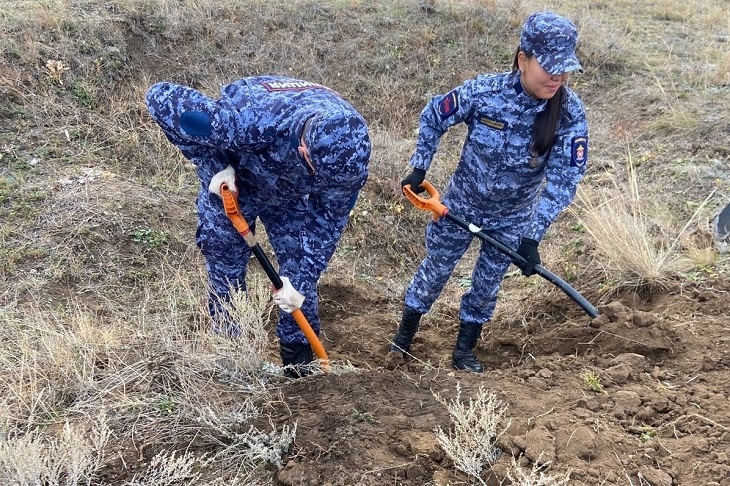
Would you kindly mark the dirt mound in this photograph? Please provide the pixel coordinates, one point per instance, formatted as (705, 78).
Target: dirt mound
(644, 415)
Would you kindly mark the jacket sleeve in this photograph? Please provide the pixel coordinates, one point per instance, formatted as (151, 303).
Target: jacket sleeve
(566, 167)
(189, 120)
(439, 114)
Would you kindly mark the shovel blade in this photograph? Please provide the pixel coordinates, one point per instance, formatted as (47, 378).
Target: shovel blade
(722, 229)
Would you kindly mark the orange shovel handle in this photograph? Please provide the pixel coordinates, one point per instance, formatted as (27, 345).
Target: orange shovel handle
(230, 206)
(233, 212)
(433, 203)
(313, 339)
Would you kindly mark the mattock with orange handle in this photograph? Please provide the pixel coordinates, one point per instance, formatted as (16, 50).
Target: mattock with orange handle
(230, 205)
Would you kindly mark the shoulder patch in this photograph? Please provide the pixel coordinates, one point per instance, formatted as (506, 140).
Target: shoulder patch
(579, 151)
(448, 105)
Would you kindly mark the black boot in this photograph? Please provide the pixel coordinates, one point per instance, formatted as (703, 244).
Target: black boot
(464, 357)
(406, 331)
(296, 357)
(403, 338)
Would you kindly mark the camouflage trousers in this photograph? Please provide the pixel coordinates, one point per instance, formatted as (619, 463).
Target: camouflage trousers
(227, 256)
(446, 244)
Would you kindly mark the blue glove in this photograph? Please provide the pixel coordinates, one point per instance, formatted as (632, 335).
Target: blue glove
(414, 179)
(528, 251)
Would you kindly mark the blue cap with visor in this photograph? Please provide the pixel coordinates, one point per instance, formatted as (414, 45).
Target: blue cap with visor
(552, 39)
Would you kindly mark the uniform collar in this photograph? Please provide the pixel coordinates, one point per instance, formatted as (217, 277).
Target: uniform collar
(523, 97)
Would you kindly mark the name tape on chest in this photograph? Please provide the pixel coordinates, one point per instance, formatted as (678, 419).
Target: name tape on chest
(290, 85)
(491, 123)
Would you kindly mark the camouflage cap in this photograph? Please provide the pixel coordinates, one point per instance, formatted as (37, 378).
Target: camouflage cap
(339, 146)
(551, 38)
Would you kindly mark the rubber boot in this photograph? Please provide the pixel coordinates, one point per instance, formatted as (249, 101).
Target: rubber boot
(295, 357)
(464, 357)
(403, 338)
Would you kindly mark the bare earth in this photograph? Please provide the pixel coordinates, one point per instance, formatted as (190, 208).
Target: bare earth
(661, 420)
(662, 358)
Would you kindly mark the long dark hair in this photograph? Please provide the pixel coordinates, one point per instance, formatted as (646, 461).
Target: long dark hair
(546, 124)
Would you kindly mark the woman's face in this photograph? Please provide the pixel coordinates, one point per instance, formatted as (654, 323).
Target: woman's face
(537, 82)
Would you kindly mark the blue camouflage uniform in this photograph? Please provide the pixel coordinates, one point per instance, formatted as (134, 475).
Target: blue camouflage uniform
(498, 184)
(255, 126)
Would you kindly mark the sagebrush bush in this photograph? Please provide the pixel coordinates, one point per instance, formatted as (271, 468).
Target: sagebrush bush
(477, 424)
(535, 476)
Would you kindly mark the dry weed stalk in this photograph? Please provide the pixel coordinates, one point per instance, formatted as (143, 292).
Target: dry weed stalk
(171, 469)
(72, 458)
(168, 468)
(477, 426)
(245, 444)
(638, 250)
(249, 312)
(535, 476)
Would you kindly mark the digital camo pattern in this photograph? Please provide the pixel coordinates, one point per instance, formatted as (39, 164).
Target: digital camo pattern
(498, 184)
(251, 127)
(552, 39)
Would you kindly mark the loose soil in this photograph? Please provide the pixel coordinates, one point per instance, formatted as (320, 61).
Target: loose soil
(661, 418)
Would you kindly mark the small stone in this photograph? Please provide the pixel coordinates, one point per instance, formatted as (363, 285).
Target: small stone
(628, 400)
(619, 374)
(394, 359)
(654, 477)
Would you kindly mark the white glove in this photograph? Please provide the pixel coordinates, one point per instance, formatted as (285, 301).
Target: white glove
(287, 298)
(227, 175)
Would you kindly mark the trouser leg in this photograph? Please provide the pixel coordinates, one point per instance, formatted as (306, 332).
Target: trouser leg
(445, 245)
(296, 358)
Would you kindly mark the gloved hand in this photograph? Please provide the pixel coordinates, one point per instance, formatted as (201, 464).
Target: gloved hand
(414, 179)
(227, 175)
(528, 251)
(287, 298)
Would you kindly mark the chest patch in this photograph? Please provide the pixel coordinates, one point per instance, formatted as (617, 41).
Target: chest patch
(448, 105)
(579, 151)
(491, 123)
(290, 85)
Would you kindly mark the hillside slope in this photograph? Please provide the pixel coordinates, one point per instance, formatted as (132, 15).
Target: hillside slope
(107, 361)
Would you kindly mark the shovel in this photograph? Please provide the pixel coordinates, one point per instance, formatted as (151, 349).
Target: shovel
(433, 204)
(230, 205)
(721, 229)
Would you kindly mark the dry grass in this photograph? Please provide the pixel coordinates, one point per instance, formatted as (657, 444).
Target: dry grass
(637, 245)
(103, 321)
(81, 369)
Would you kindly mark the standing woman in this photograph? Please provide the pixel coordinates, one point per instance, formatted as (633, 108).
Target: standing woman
(524, 154)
